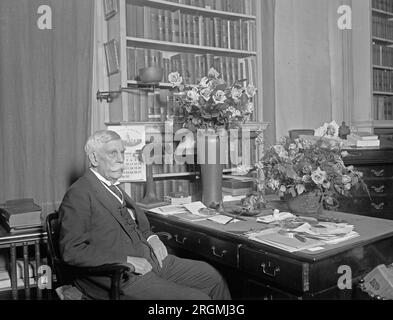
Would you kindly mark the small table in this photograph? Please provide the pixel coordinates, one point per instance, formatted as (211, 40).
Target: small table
(25, 240)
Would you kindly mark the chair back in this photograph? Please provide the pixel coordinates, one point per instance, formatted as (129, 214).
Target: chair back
(53, 231)
(295, 133)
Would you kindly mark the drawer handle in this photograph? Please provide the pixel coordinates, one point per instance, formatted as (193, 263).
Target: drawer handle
(273, 273)
(378, 173)
(223, 252)
(380, 189)
(178, 241)
(378, 206)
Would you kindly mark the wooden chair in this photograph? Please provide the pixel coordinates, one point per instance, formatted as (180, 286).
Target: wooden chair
(66, 274)
(293, 134)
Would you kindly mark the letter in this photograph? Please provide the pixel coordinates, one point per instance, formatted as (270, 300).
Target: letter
(344, 281)
(168, 140)
(44, 277)
(156, 147)
(178, 311)
(44, 21)
(246, 147)
(151, 310)
(234, 147)
(186, 146)
(345, 20)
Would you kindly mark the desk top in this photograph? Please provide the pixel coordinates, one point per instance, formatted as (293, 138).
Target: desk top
(370, 230)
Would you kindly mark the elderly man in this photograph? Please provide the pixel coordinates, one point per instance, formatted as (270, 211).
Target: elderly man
(100, 223)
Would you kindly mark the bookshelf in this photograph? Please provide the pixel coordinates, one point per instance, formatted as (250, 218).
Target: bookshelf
(188, 36)
(382, 63)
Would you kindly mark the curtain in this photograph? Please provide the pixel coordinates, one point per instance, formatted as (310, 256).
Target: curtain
(312, 65)
(45, 98)
(267, 27)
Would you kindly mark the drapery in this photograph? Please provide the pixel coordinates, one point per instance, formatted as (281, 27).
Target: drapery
(313, 65)
(45, 98)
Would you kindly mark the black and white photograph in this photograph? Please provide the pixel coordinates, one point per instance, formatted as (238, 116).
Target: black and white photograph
(203, 157)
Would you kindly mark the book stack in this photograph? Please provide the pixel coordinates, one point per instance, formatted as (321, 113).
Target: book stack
(20, 215)
(236, 187)
(363, 139)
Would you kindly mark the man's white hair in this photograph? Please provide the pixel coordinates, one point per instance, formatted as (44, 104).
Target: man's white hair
(98, 139)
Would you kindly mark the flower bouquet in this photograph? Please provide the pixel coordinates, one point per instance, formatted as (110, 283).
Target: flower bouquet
(212, 104)
(311, 165)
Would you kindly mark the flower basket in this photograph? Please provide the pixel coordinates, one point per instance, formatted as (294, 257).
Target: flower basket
(305, 203)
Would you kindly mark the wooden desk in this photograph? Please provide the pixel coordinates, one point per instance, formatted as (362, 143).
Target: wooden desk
(24, 240)
(270, 273)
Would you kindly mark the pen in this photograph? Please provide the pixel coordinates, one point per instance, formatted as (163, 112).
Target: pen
(235, 217)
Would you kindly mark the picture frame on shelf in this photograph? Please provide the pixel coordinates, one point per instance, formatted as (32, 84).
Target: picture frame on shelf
(112, 56)
(110, 8)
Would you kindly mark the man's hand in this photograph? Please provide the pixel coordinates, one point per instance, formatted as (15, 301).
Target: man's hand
(159, 248)
(141, 265)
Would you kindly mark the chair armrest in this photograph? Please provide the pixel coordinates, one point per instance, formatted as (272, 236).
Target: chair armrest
(162, 234)
(103, 270)
(110, 269)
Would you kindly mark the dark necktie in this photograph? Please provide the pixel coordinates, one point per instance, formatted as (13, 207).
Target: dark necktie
(116, 191)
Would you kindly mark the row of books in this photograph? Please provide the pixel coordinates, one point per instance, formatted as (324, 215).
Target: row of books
(20, 215)
(363, 139)
(384, 5)
(383, 107)
(237, 6)
(192, 67)
(164, 25)
(383, 80)
(382, 28)
(382, 56)
(154, 106)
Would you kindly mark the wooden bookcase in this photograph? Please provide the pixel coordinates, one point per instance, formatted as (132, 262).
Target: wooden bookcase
(382, 65)
(188, 36)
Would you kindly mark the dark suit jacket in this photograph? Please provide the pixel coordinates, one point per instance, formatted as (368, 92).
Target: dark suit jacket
(92, 231)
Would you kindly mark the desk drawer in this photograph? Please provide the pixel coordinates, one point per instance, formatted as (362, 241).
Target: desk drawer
(219, 250)
(283, 272)
(377, 171)
(181, 238)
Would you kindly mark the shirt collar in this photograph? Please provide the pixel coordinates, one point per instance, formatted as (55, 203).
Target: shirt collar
(102, 179)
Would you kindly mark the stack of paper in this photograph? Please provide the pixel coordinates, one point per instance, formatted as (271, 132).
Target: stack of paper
(288, 242)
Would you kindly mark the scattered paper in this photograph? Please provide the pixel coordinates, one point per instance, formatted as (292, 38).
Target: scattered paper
(223, 219)
(169, 210)
(275, 217)
(313, 249)
(194, 207)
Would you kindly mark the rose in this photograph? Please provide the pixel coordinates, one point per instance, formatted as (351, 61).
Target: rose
(318, 176)
(300, 188)
(280, 150)
(205, 93)
(283, 188)
(250, 91)
(219, 96)
(193, 95)
(250, 107)
(346, 179)
(273, 184)
(213, 73)
(236, 93)
(204, 82)
(175, 78)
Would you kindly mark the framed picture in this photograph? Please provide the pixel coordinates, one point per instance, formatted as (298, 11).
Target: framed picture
(110, 8)
(112, 56)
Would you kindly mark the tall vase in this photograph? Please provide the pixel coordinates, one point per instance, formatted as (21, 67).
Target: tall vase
(211, 167)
